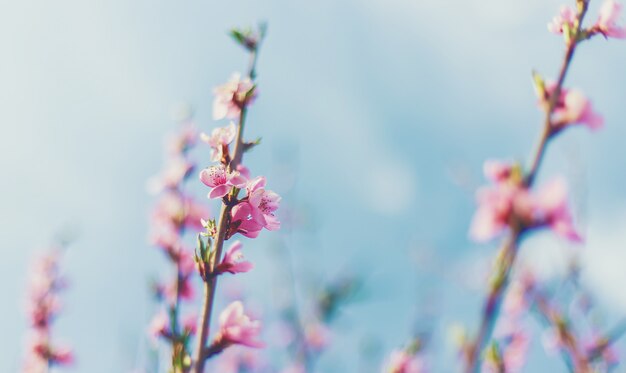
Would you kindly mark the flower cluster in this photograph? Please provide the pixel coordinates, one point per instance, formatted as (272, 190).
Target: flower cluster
(567, 23)
(509, 202)
(43, 306)
(174, 213)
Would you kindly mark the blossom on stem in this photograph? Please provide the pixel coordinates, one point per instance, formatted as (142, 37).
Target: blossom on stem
(509, 202)
(233, 96)
(404, 362)
(607, 20)
(572, 107)
(159, 326)
(563, 22)
(43, 306)
(237, 328)
(190, 323)
(219, 140)
(264, 201)
(220, 180)
(233, 261)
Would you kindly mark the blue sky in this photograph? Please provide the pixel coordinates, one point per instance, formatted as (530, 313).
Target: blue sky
(375, 117)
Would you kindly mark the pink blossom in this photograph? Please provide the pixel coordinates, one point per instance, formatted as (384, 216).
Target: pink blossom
(265, 201)
(572, 107)
(159, 326)
(497, 171)
(551, 209)
(183, 289)
(317, 336)
(607, 21)
(233, 261)
(402, 362)
(219, 140)
(237, 328)
(505, 203)
(190, 323)
(220, 180)
(174, 211)
(246, 220)
(495, 208)
(232, 96)
(567, 16)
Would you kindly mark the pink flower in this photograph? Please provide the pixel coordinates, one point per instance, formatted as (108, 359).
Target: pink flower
(231, 97)
(219, 140)
(190, 323)
(317, 336)
(237, 328)
(233, 261)
(505, 203)
(61, 355)
(495, 208)
(566, 17)
(497, 171)
(220, 180)
(159, 326)
(551, 210)
(246, 220)
(402, 362)
(607, 21)
(174, 211)
(572, 107)
(265, 201)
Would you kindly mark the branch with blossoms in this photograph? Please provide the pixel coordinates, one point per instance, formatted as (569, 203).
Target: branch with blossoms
(43, 307)
(581, 354)
(246, 215)
(175, 213)
(510, 203)
(410, 359)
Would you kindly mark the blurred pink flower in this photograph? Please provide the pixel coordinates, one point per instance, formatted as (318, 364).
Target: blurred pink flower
(572, 107)
(505, 203)
(232, 96)
(237, 328)
(159, 326)
(317, 336)
(607, 21)
(220, 138)
(402, 362)
(233, 260)
(566, 16)
(190, 323)
(220, 180)
(497, 171)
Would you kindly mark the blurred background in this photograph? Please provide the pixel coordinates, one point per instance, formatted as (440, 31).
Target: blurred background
(375, 116)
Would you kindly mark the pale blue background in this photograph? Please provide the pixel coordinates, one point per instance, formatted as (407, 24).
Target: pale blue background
(381, 111)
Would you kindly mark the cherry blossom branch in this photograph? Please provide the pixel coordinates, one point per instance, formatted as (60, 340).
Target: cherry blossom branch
(566, 336)
(210, 283)
(611, 337)
(509, 248)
